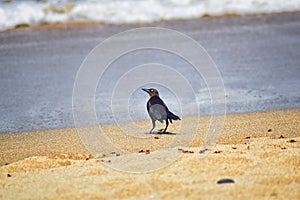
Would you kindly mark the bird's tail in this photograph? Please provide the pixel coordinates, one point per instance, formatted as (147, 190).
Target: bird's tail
(172, 116)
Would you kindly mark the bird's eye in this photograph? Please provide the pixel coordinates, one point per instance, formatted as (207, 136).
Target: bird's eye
(151, 90)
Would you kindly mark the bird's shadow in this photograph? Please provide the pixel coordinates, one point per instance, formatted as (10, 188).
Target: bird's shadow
(161, 133)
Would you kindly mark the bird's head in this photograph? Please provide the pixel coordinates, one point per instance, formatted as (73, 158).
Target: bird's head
(152, 92)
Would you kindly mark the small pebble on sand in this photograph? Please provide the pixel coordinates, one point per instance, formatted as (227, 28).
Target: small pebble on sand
(225, 180)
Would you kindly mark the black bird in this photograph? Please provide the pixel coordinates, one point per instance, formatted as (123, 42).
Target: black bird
(158, 110)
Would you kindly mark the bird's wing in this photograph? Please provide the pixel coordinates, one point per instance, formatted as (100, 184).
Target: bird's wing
(164, 105)
(155, 113)
(157, 100)
(157, 109)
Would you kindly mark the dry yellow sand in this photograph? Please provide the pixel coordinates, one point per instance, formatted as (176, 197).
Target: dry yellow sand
(259, 151)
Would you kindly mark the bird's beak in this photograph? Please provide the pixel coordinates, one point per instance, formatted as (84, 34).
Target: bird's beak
(146, 90)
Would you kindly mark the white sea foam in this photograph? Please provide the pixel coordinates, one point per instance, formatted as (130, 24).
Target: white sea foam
(130, 11)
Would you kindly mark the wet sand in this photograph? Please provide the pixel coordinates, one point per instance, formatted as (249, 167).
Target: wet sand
(259, 151)
(257, 57)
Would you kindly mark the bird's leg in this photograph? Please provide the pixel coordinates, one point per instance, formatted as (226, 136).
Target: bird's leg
(153, 126)
(167, 124)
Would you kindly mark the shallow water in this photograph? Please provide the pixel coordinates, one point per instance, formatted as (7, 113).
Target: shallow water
(257, 57)
(16, 12)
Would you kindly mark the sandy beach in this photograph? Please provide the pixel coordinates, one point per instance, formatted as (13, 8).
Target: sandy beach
(258, 151)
